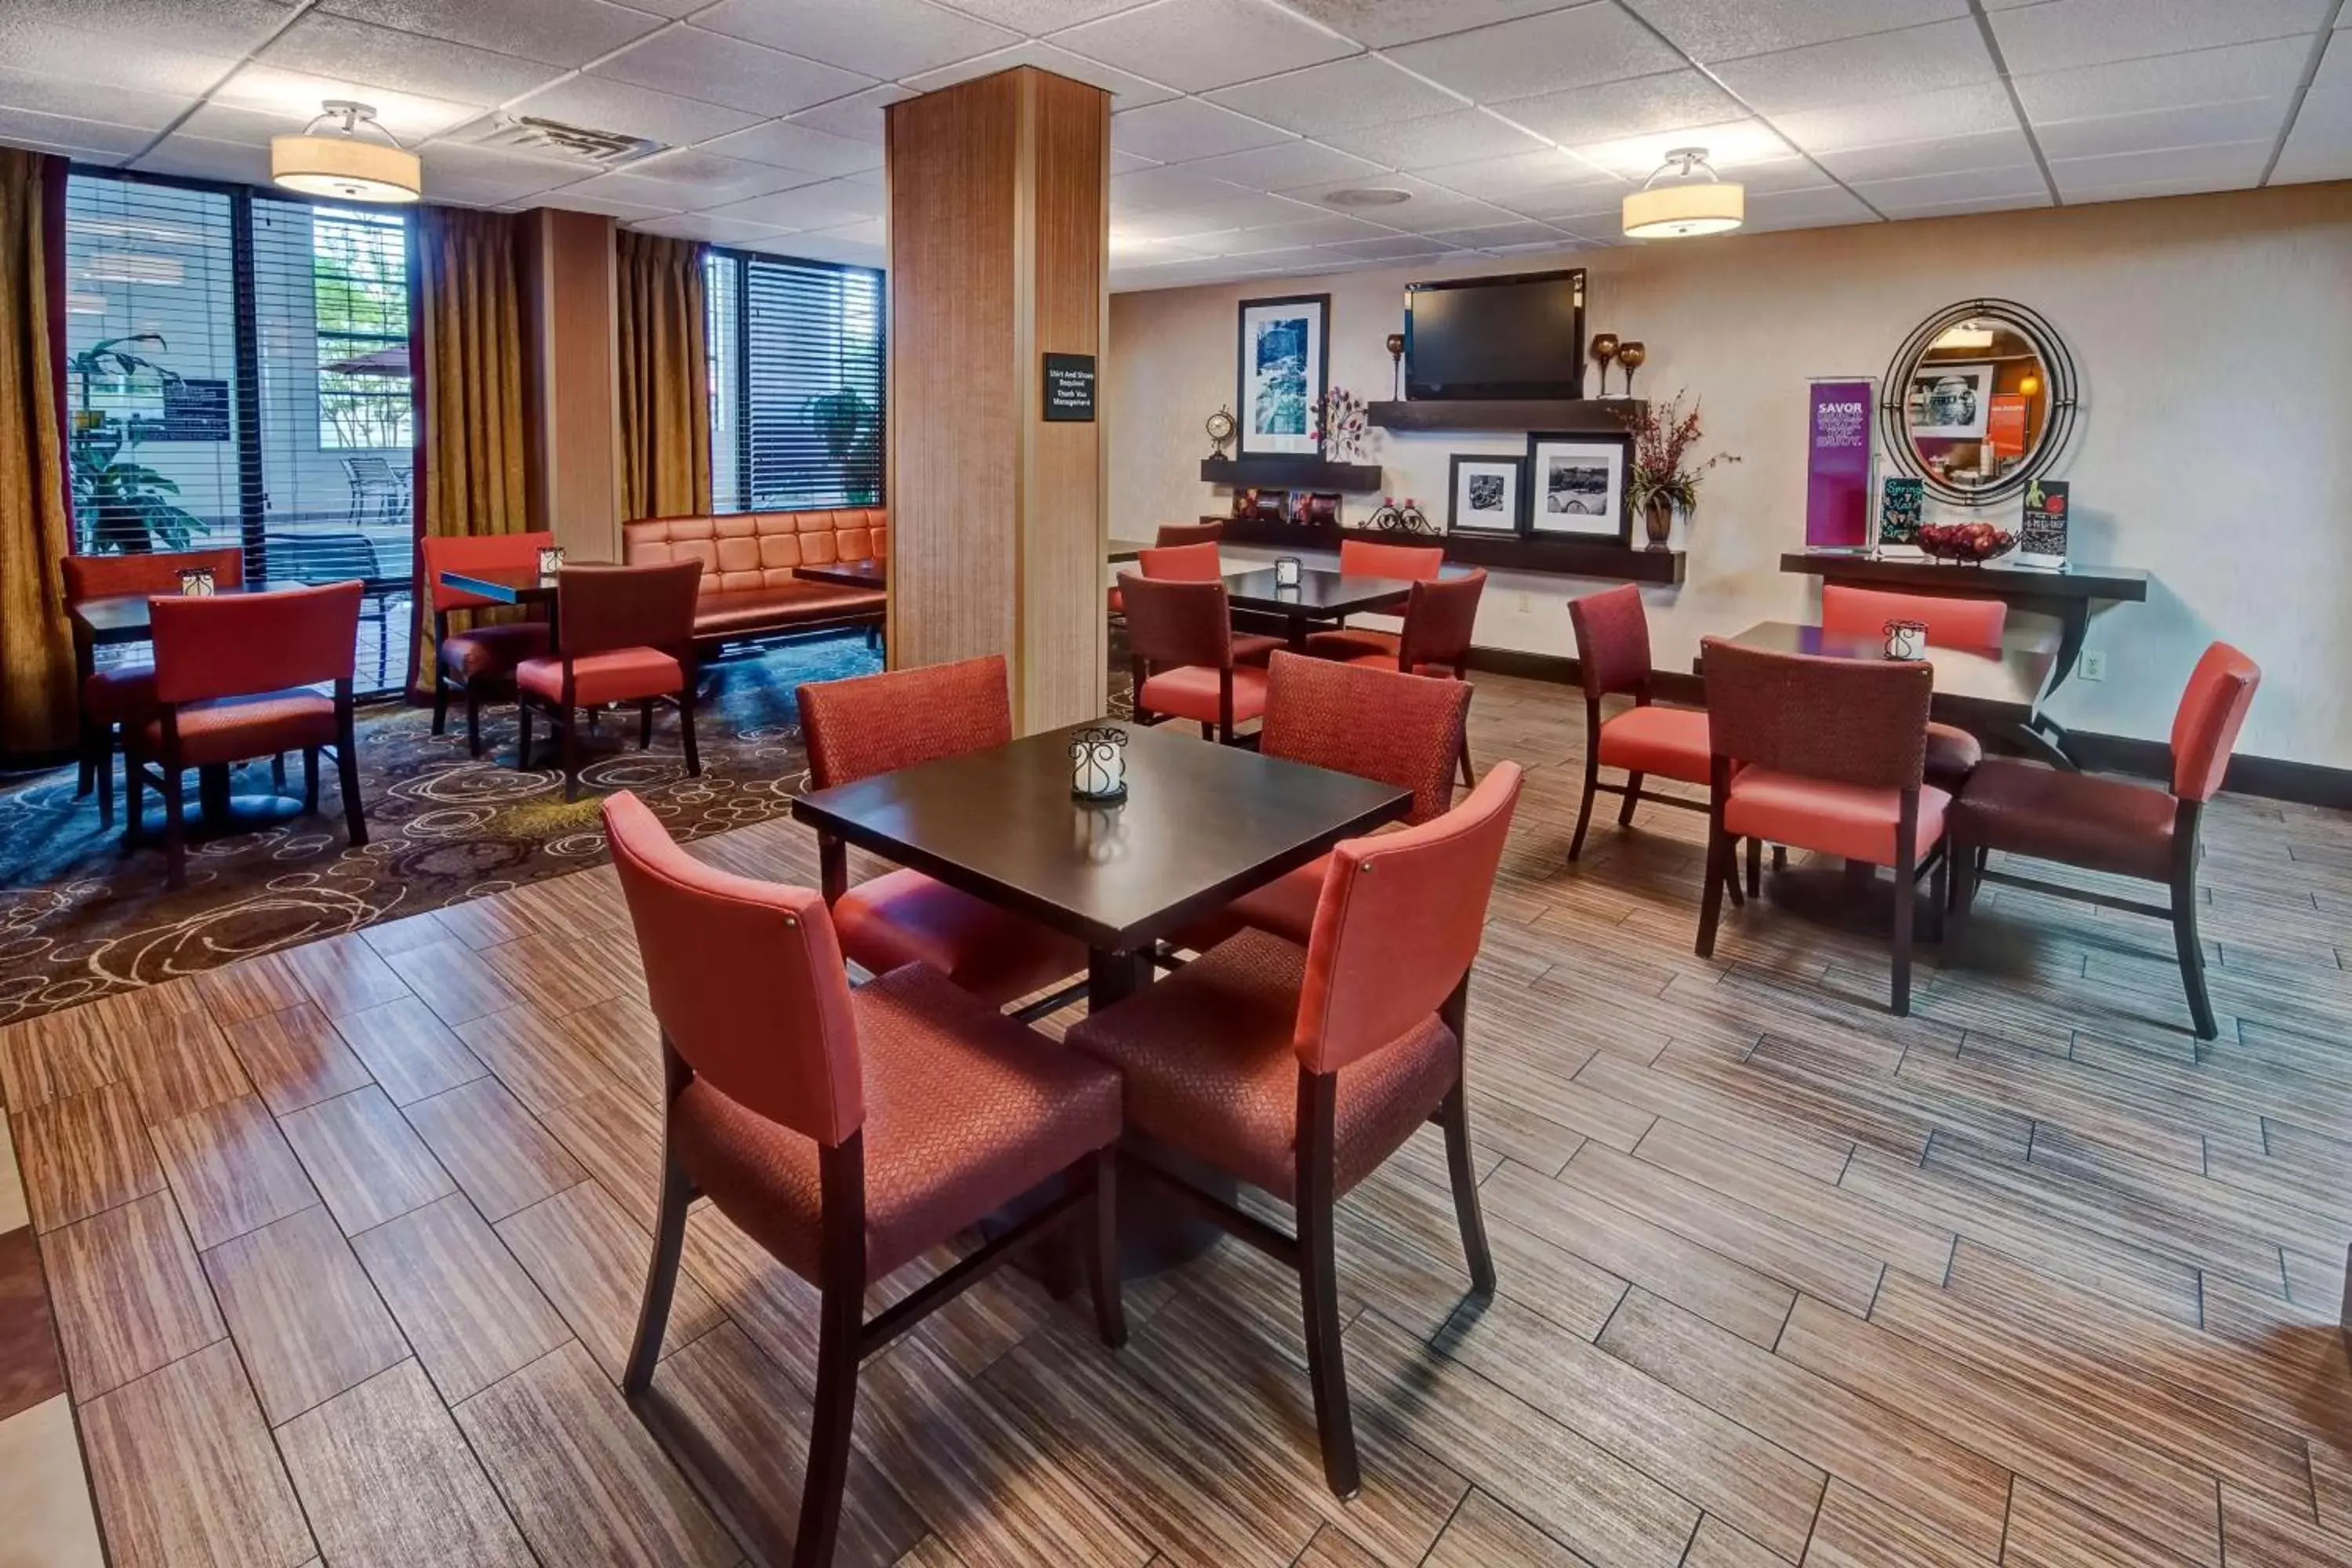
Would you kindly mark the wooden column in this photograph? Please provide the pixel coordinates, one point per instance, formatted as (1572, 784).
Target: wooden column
(572, 323)
(1000, 215)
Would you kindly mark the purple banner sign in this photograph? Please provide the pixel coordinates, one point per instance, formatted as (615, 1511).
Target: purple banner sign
(1838, 463)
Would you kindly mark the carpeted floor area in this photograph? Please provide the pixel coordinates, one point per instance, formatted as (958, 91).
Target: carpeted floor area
(81, 915)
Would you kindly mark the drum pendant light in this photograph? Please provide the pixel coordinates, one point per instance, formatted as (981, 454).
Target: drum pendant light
(1693, 199)
(341, 164)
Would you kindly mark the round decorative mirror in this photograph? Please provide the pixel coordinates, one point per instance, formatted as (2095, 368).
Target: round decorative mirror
(1979, 400)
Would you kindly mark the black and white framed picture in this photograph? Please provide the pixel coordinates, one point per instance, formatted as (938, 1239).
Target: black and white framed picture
(1484, 494)
(1282, 374)
(1948, 402)
(1576, 485)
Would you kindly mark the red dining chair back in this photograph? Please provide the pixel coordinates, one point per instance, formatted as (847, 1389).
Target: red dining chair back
(482, 658)
(1176, 536)
(1194, 563)
(1180, 646)
(1950, 623)
(1613, 659)
(2213, 709)
(607, 608)
(626, 637)
(873, 724)
(1612, 643)
(109, 576)
(1372, 558)
(1440, 620)
(439, 552)
(1171, 534)
(1375, 724)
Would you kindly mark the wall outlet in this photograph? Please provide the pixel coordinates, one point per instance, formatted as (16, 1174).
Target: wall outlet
(2093, 666)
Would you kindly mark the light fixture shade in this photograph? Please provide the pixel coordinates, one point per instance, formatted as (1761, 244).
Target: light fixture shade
(344, 167)
(1680, 210)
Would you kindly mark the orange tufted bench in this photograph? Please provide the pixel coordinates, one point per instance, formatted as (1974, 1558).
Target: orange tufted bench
(747, 586)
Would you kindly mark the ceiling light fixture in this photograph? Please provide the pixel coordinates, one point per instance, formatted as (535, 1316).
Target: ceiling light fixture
(1367, 196)
(340, 163)
(1687, 203)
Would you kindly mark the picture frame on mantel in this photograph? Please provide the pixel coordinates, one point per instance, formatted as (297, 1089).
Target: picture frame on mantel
(1281, 375)
(1486, 494)
(1576, 485)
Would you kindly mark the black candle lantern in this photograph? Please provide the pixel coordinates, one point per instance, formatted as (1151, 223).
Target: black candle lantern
(1098, 764)
(551, 560)
(197, 582)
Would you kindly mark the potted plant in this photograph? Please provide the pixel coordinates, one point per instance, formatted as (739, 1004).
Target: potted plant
(1664, 479)
(119, 500)
(845, 421)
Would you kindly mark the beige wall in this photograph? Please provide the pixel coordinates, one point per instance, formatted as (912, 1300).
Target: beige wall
(2212, 336)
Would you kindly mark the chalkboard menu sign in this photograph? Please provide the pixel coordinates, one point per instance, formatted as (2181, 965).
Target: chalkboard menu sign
(1070, 388)
(193, 411)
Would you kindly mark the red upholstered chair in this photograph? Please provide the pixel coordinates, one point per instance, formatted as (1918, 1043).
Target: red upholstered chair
(1440, 619)
(1952, 752)
(123, 696)
(877, 724)
(1300, 1070)
(232, 680)
(627, 636)
(1402, 730)
(1181, 642)
(481, 660)
(845, 1132)
(1372, 558)
(1198, 561)
(1824, 754)
(1612, 652)
(2106, 825)
(1170, 536)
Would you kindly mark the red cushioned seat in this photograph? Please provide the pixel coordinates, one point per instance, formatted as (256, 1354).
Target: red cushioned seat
(1211, 1067)
(2075, 819)
(230, 729)
(493, 650)
(1854, 821)
(965, 1110)
(1355, 643)
(622, 675)
(120, 694)
(904, 917)
(1670, 742)
(1191, 691)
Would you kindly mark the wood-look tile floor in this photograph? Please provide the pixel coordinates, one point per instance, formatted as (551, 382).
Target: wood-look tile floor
(345, 1247)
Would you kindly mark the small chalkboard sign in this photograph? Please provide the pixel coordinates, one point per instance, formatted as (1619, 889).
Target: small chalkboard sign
(1070, 388)
(193, 411)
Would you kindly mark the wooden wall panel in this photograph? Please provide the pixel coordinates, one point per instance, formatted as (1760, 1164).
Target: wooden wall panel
(572, 311)
(998, 226)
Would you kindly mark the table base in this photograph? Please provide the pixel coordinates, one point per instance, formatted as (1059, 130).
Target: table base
(221, 817)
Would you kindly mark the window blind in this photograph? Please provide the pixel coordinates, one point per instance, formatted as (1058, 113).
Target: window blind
(797, 373)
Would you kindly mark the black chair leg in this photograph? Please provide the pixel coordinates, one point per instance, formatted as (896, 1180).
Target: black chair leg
(1318, 1282)
(1907, 899)
(522, 745)
(1632, 799)
(311, 781)
(568, 733)
(440, 703)
(1454, 1114)
(175, 828)
(1710, 909)
(1469, 779)
(829, 1424)
(346, 765)
(1755, 866)
(1731, 877)
(1939, 893)
(2192, 958)
(1102, 1255)
(645, 725)
(661, 1278)
(685, 731)
(100, 764)
(134, 798)
(1584, 812)
(473, 722)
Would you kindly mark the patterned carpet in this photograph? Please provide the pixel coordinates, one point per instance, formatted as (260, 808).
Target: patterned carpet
(80, 916)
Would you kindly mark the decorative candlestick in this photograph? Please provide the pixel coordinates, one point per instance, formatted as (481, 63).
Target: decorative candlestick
(1631, 356)
(1604, 349)
(1396, 361)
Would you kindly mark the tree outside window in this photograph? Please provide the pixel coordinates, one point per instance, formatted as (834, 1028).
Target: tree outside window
(360, 284)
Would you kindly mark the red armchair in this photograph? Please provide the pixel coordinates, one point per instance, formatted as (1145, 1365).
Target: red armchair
(233, 681)
(876, 724)
(846, 1132)
(121, 697)
(1374, 558)
(481, 660)
(2106, 824)
(1170, 536)
(1179, 640)
(1952, 752)
(1299, 1071)
(1612, 652)
(1198, 561)
(1440, 619)
(627, 637)
(1825, 754)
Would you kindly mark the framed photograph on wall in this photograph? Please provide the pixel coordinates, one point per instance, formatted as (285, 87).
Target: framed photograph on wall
(1282, 374)
(1484, 494)
(1576, 485)
(1948, 401)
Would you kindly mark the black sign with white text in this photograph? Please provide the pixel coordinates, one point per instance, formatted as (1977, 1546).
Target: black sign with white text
(1070, 388)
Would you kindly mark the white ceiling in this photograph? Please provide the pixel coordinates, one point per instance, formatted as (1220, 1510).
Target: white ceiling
(1514, 125)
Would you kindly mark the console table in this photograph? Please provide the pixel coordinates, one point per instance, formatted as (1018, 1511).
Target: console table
(2066, 596)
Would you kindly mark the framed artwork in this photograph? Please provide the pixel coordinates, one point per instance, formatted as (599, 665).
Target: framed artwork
(1576, 485)
(1484, 494)
(1282, 375)
(1947, 401)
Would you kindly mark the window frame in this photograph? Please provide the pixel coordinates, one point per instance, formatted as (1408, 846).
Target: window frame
(739, 378)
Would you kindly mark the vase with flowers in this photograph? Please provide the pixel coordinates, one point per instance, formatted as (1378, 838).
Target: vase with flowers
(1665, 473)
(1342, 426)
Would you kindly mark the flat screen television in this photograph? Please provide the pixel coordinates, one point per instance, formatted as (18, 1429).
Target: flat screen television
(1519, 336)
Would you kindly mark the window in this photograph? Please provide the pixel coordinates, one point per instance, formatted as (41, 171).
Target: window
(797, 396)
(238, 373)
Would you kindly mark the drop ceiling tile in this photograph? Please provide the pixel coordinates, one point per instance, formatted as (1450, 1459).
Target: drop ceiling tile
(1615, 110)
(1499, 179)
(292, 98)
(789, 146)
(1167, 185)
(822, 246)
(1124, 162)
(201, 158)
(1337, 95)
(570, 200)
(1135, 250)
(872, 231)
(1820, 207)
(2065, 33)
(702, 225)
(1548, 53)
(1977, 109)
(1328, 229)
(483, 176)
(42, 46)
(1494, 235)
(1435, 215)
(20, 127)
(1127, 91)
(1729, 147)
(1556, 204)
(1970, 205)
(1944, 192)
(333, 46)
(1711, 30)
(715, 69)
(886, 40)
(560, 32)
(1286, 166)
(1380, 23)
(22, 90)
(2231, 73)
(1196, 45)
(1258, 211)
(827, 205)
(1856, 70)
(1187, 128)
(691, 179)
(2335, 65)
(2199, 125)
(1037, 18)
(1403, 247)
(2170, 171)
(858, 116)
(1457, 138)
(1938, 155)
(2320, 145)
(601, 104)
(230, 28)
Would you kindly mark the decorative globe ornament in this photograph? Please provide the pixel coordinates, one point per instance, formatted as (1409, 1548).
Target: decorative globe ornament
(1220, 427)
(1098, 764)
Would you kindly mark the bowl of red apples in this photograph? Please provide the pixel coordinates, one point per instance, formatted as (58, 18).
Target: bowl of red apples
(1973, 544)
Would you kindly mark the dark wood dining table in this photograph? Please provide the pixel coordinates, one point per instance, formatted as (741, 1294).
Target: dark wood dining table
(1318, 597)
(867, 574)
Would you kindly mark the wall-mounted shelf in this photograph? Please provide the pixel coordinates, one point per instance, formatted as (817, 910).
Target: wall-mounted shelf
(1566, 413)
(1498, 552)
(1292, 473)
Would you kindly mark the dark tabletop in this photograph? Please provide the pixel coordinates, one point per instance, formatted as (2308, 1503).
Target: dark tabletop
(1201, 824)
(847, 574)
(506, 584)
(123, 617)
(2126, 584)
(2009, 676)
(1319, 595)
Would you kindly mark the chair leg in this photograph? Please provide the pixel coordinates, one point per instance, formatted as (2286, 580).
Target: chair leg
(100, 765)
(1469, 779)
(473, 722)
(1584, 812)
(440, 703)
(661, 1278)
(2192, 958)
(134, 797)
(1731, 877)
(86, 754)
(1454, 1114)
(1907, 897)
(838, 1316)
(685, 731)
(311, 781)
(1102, 1256)
(1208, 732)
(1755, 866)
(175, 827)
(645, 725)
(1939, 893)
(1632, 799)
(522, 744)
(346, 765)
(1710, 909)
(567, 729)
(277, 772)
(1318, 1284)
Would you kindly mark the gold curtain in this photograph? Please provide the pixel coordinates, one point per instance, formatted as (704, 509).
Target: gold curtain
(36, 664)
(665, 378)
(469, 333)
